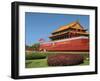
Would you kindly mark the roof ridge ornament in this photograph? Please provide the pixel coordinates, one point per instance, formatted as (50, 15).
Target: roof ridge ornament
(78, 20)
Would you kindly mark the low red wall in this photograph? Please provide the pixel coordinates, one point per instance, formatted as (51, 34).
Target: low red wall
(69, 45)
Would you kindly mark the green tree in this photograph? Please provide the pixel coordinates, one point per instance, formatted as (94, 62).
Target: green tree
(36, 46)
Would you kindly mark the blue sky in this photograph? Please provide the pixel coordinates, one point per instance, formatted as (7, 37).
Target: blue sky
(41, 25)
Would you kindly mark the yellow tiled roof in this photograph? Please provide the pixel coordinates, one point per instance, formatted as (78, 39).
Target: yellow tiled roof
(58, 34)
(84, 33)
(74, 25)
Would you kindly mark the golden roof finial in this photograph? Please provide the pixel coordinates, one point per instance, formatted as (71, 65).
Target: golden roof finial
(78, 20)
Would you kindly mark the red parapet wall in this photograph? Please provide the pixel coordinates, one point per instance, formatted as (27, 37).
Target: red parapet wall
(80, 44)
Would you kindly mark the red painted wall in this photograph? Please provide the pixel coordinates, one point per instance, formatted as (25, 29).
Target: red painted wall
(69, 45)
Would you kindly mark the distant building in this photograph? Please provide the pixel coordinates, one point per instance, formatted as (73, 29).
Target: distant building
(71, 37)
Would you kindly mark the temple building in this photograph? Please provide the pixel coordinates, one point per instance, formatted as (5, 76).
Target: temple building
(73, 29)
(70, 37)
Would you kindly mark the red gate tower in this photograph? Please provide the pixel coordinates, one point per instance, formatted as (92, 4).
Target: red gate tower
(71, 37)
